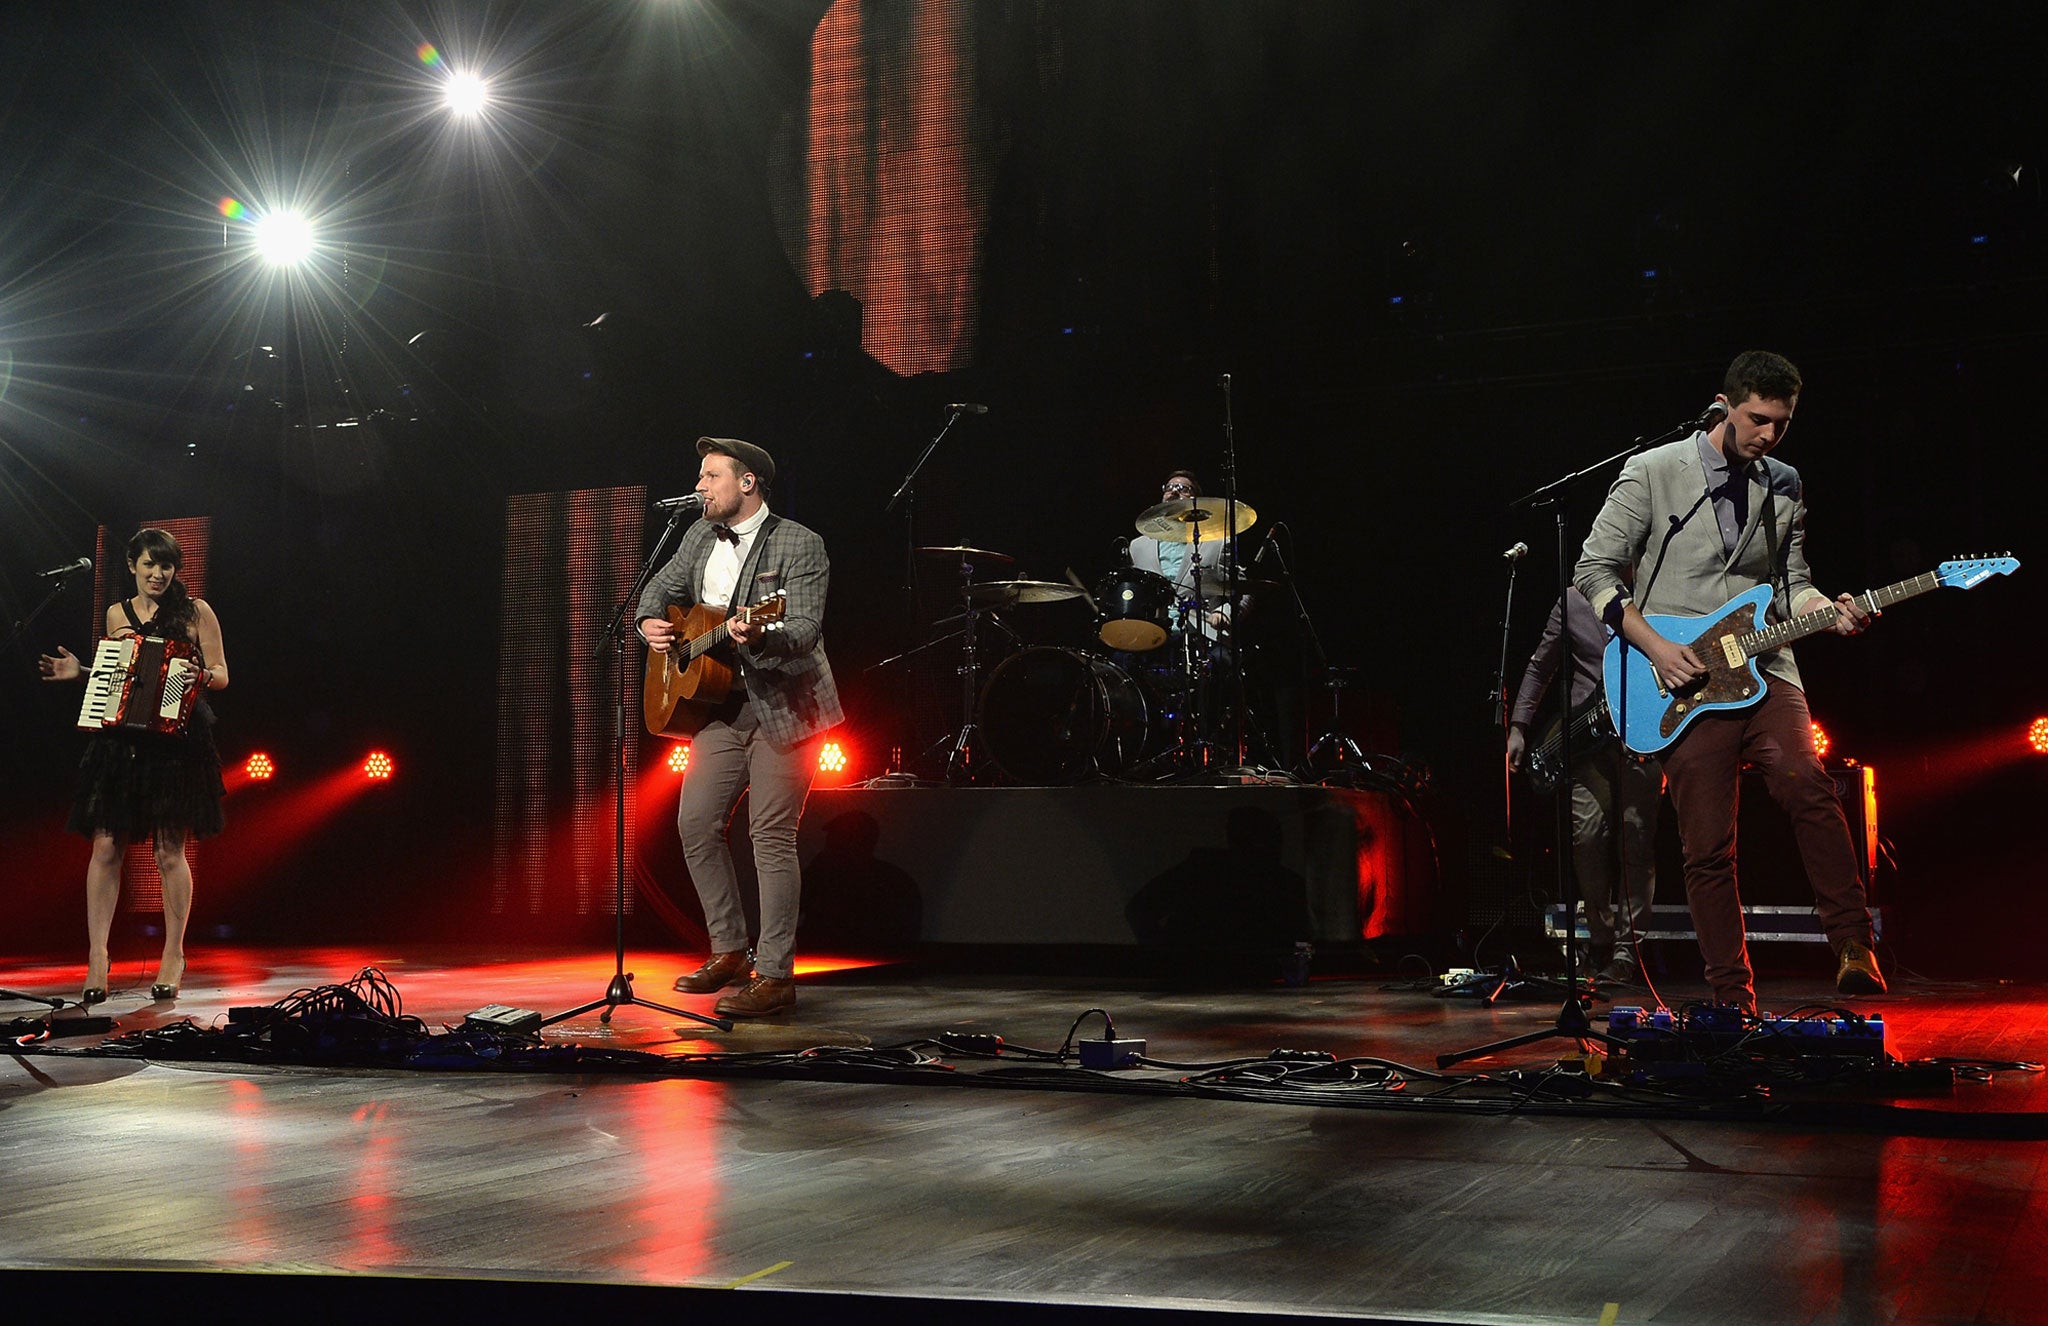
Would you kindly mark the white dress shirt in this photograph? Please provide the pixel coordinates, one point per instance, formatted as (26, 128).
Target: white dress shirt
(722, 568)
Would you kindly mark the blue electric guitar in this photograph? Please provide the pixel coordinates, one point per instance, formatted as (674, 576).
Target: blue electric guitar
(1728, 641)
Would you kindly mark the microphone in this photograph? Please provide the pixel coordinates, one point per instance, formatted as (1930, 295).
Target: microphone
(82, 564)
(687, 502)
(1264, 548)
(968, 408)
(1223, 381)
(1517, 553)
(1710, 416)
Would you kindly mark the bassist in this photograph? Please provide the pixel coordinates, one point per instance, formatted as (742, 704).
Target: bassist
(1699, 521)
(762, 735)
(1614, 796)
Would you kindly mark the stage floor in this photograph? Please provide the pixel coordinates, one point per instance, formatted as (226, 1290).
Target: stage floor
(1047, 1196)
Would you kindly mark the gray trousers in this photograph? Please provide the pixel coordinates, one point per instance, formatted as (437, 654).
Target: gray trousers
(1614, 845)
(728, 757)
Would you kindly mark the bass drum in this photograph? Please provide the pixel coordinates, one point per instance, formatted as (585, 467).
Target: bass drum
(1056, 716)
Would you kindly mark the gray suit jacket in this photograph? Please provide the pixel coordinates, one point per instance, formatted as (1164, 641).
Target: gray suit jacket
(1659, 519)
(786, 674)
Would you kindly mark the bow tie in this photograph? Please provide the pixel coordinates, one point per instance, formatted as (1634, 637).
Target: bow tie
(725, 534)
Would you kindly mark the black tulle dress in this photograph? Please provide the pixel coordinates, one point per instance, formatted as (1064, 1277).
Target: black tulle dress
(133, 783)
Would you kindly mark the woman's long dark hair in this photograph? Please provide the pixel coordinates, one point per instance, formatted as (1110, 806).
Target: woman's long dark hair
(175, 614)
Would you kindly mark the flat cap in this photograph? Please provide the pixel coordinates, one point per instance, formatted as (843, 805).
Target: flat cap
(746, 453)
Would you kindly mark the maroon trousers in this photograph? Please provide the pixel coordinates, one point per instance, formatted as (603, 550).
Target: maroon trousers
(1703, 770)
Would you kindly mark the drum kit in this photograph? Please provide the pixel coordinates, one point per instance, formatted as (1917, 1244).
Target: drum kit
(1144, 697)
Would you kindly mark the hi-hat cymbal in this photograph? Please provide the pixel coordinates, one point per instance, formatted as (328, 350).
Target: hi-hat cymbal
(1003, 593)
(1214, 583)
(1198, 520)
(969, 554)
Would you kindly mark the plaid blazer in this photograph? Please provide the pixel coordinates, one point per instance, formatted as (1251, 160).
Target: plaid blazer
(786, 674)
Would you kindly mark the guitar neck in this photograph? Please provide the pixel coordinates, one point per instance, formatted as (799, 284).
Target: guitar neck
(1821, 619)
(711, 639)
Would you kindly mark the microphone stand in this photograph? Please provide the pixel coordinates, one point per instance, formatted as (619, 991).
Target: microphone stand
(1572, 1022)
(1499, 702)
(620, 990)
(14, 636)
(1228, 552)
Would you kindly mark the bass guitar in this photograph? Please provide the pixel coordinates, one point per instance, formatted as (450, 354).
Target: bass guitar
(685, 684)
(1592, 729)
(1728, 641)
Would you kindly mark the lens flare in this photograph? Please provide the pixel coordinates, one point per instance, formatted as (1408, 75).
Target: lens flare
(429, 56)
(231, 209)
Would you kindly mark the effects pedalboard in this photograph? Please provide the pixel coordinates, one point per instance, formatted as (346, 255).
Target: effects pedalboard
(1658, 1033)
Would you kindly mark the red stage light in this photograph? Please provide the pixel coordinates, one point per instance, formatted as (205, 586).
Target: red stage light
(1821, 742)
(378, 767)
(2037, 736)
(832, 758)
(259, 767)
(678, 760)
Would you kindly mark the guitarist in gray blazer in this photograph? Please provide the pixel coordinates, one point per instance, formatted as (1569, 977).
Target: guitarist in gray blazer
(761, 735)
(1700, 521)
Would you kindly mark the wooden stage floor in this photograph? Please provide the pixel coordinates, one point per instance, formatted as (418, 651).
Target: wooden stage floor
(984, 1200)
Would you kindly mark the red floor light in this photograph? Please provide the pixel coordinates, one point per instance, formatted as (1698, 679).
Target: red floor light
(678, 760)
(259, 767)
(1821, 741)
(2037, 736)
(832, 759)
(378, 767)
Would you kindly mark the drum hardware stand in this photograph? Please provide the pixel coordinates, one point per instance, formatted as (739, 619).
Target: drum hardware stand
(1229, 557)
(1501, 705)
(1345, 752)
(905, 496)
(1572, 1022)
(620, 991)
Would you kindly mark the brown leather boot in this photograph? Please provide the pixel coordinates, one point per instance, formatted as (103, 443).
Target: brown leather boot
(1858, 974)
(719, 970)
(765, 997)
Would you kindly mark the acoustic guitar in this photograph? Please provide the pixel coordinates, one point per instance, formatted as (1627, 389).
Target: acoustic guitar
(685, 684)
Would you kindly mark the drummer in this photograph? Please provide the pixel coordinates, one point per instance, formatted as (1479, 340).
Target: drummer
(1178, 561)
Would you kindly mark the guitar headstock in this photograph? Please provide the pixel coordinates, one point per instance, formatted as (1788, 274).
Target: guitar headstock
(769, 610)
(1969, 572)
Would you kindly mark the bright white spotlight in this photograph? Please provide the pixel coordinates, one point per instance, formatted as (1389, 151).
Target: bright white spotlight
(285, 239)
(466, 94)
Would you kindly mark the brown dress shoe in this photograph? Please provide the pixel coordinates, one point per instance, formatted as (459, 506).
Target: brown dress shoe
(1858, 974)
(764, 998)
(719, 970)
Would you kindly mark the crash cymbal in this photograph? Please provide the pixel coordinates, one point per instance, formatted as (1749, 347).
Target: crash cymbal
(1214, 583)
(1198, 520)
(969, 554)
(1003, 593)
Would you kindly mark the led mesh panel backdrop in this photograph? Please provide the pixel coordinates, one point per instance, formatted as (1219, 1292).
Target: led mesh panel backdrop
(569, 558)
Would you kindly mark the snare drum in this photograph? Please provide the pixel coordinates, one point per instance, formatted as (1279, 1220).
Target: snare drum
(1136, 606)
(1055, 716)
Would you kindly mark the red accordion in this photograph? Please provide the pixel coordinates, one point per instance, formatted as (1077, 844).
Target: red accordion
(141, 684)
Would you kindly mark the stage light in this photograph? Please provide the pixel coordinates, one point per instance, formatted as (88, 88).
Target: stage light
(2037, 736)
(1821, 742)
(259, 767)
(378, 767)
(678, 760)
(466, 94)
(284, 239)
(832, 758)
